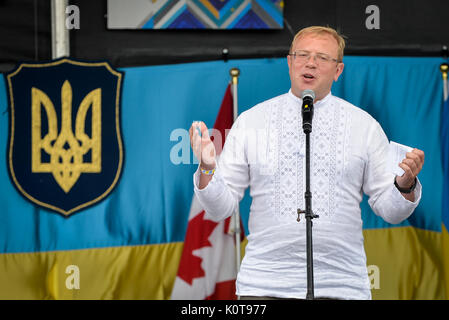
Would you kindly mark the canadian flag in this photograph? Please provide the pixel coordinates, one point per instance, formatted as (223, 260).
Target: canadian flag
(207, 270)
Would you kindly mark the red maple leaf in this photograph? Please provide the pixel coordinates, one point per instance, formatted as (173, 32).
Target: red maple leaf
(197, 237)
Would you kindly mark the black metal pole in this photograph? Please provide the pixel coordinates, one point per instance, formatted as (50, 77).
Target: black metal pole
(309, 217)
(307, 114)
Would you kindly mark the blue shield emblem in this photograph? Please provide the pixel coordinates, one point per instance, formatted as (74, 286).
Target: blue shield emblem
(65, 148)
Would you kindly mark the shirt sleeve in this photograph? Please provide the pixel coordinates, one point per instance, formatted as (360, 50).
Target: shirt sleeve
(221, 196)
(384, 198)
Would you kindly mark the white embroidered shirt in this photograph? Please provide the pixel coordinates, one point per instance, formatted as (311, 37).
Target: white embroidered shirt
(265, 151)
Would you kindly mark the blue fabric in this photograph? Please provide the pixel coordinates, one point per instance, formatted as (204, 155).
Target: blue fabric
(445, 160)
(151, 203)
(404, 95)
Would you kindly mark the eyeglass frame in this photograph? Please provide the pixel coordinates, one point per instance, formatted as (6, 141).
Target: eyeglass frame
(317, 55)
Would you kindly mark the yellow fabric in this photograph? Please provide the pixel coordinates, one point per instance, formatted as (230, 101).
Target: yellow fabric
(134, 272)
(409, 261)
(243, 247)
(445, 241)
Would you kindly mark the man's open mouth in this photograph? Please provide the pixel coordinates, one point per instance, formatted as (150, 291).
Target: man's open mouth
(308, 76)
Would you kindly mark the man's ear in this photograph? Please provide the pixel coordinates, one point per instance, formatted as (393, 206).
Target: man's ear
(289, 61)
(340, 68)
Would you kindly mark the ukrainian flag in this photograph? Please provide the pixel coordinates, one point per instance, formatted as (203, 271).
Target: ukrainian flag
(128, 246)
(445, 160)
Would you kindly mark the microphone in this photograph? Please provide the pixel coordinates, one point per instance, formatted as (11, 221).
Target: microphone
(307, 110)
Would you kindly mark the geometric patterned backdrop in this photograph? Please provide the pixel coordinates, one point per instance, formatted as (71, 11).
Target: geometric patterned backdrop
(195, 14)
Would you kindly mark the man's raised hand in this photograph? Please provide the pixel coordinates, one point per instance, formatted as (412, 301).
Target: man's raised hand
(202, 146)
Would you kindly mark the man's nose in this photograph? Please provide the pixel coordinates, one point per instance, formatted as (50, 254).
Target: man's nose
(311, 63)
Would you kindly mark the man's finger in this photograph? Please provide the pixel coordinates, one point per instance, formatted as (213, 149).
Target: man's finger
(420, 154)
(193, 127)
(408, 174)
(203, 129)
(196, 144)
(412, 165)
(414, 156)
(191, 132)
(418, 157)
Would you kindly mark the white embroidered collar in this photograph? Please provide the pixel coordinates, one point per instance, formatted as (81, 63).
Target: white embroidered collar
(316, 104)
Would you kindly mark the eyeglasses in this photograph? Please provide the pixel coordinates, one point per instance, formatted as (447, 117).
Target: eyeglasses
(302, 56)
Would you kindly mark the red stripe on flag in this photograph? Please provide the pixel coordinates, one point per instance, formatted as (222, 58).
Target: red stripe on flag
(223, 291)
(225, 118)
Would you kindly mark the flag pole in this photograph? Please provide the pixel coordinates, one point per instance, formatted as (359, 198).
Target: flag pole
(235, 75)
(444, 70)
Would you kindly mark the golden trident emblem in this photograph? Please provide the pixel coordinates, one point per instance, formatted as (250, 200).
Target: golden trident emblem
(67, 150)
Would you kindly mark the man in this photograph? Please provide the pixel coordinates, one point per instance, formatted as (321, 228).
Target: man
(265, 151)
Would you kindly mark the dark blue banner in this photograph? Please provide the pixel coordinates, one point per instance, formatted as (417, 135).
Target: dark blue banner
(65, 147)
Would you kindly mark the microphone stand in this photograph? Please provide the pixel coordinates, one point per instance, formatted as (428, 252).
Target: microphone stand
(307, 127)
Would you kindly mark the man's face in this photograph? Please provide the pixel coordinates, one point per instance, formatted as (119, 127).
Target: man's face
(310, 69)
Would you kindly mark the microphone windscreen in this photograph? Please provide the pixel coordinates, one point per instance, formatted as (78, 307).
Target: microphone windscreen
(308, 93)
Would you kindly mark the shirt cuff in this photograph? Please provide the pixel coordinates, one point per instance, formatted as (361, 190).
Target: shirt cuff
(417, 192)
(213, 188)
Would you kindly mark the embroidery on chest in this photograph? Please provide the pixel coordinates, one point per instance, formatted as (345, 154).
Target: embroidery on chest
(287, 153)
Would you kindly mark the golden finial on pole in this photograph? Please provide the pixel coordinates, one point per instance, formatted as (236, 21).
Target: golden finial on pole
(444, 68)
(235, 72)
